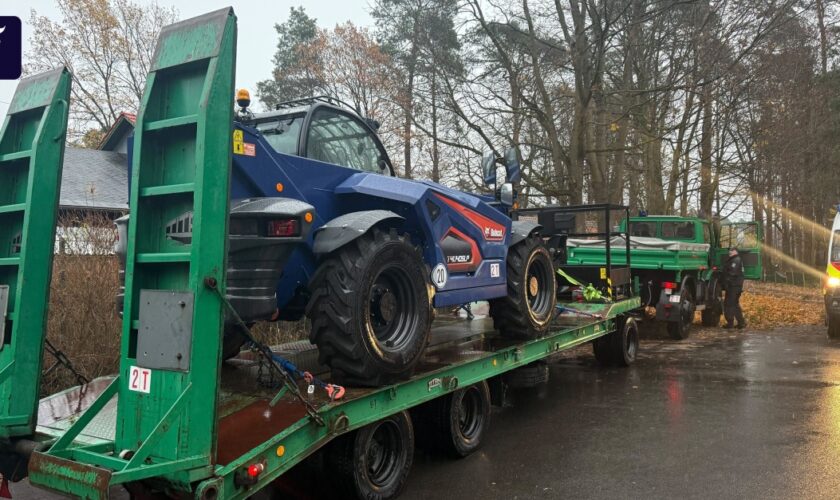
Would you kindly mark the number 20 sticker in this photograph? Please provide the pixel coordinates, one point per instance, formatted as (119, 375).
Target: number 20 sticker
(139, 379)
(439, 276)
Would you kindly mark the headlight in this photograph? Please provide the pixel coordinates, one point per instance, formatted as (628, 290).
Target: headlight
(832, 282)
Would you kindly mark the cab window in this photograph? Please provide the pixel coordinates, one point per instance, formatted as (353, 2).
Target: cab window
(282, 134)
(678, 230)
(339, 139)
(643, 229)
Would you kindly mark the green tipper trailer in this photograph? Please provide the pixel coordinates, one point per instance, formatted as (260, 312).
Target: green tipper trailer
(195, 427)
(674, 263)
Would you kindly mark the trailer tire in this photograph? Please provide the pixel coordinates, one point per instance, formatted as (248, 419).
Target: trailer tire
(528, 308)
(454, 424)
(619, 347)
(681, 329)
(373, 462)
(833, 326)
(370, 309)
(528, 376)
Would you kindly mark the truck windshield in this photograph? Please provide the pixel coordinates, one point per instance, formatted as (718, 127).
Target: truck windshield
(283, 133)
(835, 247)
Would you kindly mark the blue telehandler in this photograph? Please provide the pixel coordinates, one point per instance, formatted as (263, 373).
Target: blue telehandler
(321, 226)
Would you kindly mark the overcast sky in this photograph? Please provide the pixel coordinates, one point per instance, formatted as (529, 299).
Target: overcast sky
(257, 38)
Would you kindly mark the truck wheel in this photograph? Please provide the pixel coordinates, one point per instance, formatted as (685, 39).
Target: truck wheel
(619, 347)
(370, 310)
(373, 463)
(834, 326)
(528, 308)
(681, 329)
(455, 424)
(711, 314)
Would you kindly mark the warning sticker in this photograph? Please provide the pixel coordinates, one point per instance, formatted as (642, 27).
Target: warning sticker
(250, 149)
(238, 144)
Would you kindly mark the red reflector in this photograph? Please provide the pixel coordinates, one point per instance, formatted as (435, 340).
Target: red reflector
(255, 470)
(283, 227)
(836, 265)
(669, 285)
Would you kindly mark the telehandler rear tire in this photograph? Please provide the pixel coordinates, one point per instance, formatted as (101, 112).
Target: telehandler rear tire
(527, 310)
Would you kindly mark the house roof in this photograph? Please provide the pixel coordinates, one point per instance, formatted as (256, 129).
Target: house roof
(94, 179)
(124, 125)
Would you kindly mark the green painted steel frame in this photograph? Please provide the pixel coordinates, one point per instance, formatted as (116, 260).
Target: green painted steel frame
(31, 159)
(183, 140)
(305, 437)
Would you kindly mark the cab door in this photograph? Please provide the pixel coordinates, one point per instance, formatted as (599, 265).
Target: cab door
(747, 237)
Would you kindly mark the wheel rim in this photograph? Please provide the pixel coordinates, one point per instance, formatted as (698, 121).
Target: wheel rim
(392, 308)
(537, 286)
(382, 454)
(470, 416)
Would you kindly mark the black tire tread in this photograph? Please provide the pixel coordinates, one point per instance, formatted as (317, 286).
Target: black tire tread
(432, 424)
(341, 460)
(330, 310)
(510, 312)
(528, 376)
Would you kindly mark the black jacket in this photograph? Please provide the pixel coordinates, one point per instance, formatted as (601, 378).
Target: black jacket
(733, 271)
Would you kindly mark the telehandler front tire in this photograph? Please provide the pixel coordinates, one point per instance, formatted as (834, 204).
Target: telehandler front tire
(370, 309)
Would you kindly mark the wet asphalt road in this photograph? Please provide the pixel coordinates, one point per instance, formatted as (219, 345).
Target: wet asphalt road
(721, 415)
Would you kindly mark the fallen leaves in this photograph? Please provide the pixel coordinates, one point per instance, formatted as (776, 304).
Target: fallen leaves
(769, 305)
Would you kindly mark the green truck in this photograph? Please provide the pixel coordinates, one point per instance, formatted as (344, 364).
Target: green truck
(674, 263)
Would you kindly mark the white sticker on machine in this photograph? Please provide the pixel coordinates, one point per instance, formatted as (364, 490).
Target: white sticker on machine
(439, 276)
(494, 270)
(139, 379)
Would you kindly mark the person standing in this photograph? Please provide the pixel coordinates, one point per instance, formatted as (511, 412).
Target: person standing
(733, 279)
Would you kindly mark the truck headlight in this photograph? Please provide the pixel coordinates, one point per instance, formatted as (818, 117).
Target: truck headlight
(832, 282)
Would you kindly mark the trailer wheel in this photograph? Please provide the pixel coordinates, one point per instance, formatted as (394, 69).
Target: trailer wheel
(370, 309)
(619, 347)
(528, 376)
(373, 463)
(681, 329)
(455, 424)
(527, 310)
(834, 326)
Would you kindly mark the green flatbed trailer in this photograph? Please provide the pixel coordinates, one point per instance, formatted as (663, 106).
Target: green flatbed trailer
(253, 431)
(192, 426)
(674, 264)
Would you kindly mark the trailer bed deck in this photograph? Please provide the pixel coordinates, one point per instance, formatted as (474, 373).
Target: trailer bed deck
(250, 429)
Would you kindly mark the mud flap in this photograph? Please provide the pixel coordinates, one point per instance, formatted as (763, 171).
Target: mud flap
(62, 475)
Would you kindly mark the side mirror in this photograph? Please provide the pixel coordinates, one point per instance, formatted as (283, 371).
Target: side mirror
(488, 169)
(506, 194)
(514, 172)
